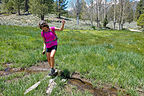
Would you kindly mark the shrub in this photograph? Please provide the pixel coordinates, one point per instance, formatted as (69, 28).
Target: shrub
(140, 21)
(105, 22)
(93, 27)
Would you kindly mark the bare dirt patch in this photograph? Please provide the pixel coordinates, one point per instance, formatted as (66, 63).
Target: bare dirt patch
(42, 67)
(83, 84)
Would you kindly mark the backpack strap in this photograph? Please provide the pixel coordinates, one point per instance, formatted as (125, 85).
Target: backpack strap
(54, 33)
(55, 36)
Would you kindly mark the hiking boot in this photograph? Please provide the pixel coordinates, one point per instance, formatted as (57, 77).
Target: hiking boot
(52, 71)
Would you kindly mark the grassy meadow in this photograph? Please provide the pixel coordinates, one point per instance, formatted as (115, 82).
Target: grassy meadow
(102, 56)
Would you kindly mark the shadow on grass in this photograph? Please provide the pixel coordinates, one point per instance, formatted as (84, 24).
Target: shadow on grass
(87, 86)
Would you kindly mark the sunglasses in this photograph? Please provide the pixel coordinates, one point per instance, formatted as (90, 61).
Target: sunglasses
(44, 26)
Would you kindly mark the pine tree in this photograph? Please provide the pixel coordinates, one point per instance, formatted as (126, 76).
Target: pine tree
(7, 6)
(18, 5)
(105, 22)
(140, 9)
(41, 7)
(60, 5)
(140, 21)
(26, 8)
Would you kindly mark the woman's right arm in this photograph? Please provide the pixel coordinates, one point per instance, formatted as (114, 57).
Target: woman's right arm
(44, 47)
(62, 27)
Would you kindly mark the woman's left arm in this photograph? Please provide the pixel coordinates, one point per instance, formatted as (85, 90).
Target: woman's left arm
(62, 27)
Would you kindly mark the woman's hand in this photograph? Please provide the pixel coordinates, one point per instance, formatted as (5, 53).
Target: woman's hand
(63, 21)
(43, 52)
(62, 27)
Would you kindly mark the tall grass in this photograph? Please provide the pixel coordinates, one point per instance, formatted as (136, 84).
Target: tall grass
(104, 56)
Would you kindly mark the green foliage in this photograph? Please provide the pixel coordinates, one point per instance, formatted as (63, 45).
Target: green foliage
(48, 21)
(5, 6)
(60, 6)
(41, 7)
(12, 6)
(128, 12)
(140, 21)
(16, 42)
(84, 9)
(105, 22)
(140, 9)
(26, 6)
(106, 56)
(5, 1)
(17, 87)
(93, 27)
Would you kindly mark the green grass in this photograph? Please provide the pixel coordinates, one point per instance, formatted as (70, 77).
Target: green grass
(18, 87)
(104, 56)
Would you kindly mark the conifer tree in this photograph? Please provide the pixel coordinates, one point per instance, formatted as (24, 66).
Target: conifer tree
(140, 21)
(26, 8)
(41, 7)
(18, 5)
(140, 9)
(105, 22)
(61, 5)
(7, 6)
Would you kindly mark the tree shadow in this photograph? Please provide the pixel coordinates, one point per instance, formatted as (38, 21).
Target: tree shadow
(64, 18)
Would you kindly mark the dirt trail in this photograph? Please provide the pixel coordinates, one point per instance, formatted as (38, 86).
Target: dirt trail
(40, 68)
